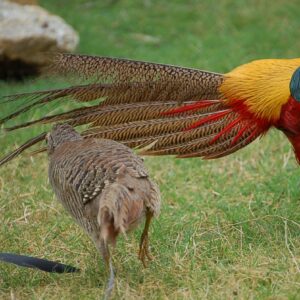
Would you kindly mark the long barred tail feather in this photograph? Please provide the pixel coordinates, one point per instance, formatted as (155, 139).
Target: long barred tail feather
(160, 109)
(107, 115)
(22, 148)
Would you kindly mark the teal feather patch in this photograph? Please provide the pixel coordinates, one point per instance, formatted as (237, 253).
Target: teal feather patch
(295, 85)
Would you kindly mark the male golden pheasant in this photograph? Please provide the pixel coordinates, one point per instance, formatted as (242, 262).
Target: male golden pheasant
(169, 110)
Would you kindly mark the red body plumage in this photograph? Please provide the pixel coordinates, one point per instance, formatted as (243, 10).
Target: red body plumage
(289, 124)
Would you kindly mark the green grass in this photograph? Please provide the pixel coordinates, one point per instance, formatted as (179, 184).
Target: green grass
(229, 229)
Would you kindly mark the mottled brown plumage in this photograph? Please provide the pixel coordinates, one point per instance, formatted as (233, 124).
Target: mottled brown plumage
(103, 185)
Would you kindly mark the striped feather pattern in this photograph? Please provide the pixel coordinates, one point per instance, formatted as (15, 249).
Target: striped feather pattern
(80, 171)
(167, 109)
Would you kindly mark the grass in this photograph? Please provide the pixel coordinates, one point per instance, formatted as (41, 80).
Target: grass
(229, 229)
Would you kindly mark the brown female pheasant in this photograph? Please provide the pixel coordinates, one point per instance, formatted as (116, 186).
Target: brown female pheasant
(103, 185)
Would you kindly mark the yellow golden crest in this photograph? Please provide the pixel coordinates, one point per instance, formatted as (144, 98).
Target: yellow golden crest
(263, 85)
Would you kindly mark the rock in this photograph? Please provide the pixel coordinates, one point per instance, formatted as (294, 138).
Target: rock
(25, 2)
(27, 32)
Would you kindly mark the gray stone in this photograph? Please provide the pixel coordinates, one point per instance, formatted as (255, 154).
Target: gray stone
(27, 32)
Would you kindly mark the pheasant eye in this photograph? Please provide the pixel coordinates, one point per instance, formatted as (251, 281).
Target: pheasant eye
(295, 85)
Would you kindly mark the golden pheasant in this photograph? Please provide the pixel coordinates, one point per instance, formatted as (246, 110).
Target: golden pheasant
(169, 110)
(103, 185)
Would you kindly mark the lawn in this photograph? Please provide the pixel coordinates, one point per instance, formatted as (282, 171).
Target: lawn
(228, 229)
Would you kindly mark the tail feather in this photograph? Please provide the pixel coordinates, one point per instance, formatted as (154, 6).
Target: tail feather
(165, 109)
(192, 140)
(174, 142)
(117, 70)
(99, 115)
(222, 147)
(22, 148)
(141, 129)
(34, 99)
(123, 114)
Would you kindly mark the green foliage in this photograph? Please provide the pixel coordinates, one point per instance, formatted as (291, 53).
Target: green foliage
(229, 229)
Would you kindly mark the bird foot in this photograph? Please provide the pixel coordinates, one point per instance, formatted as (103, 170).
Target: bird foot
(144, 251)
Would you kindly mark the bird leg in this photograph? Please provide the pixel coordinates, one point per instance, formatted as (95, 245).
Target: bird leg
(105, 252)
(108, 262)
(144, 241)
